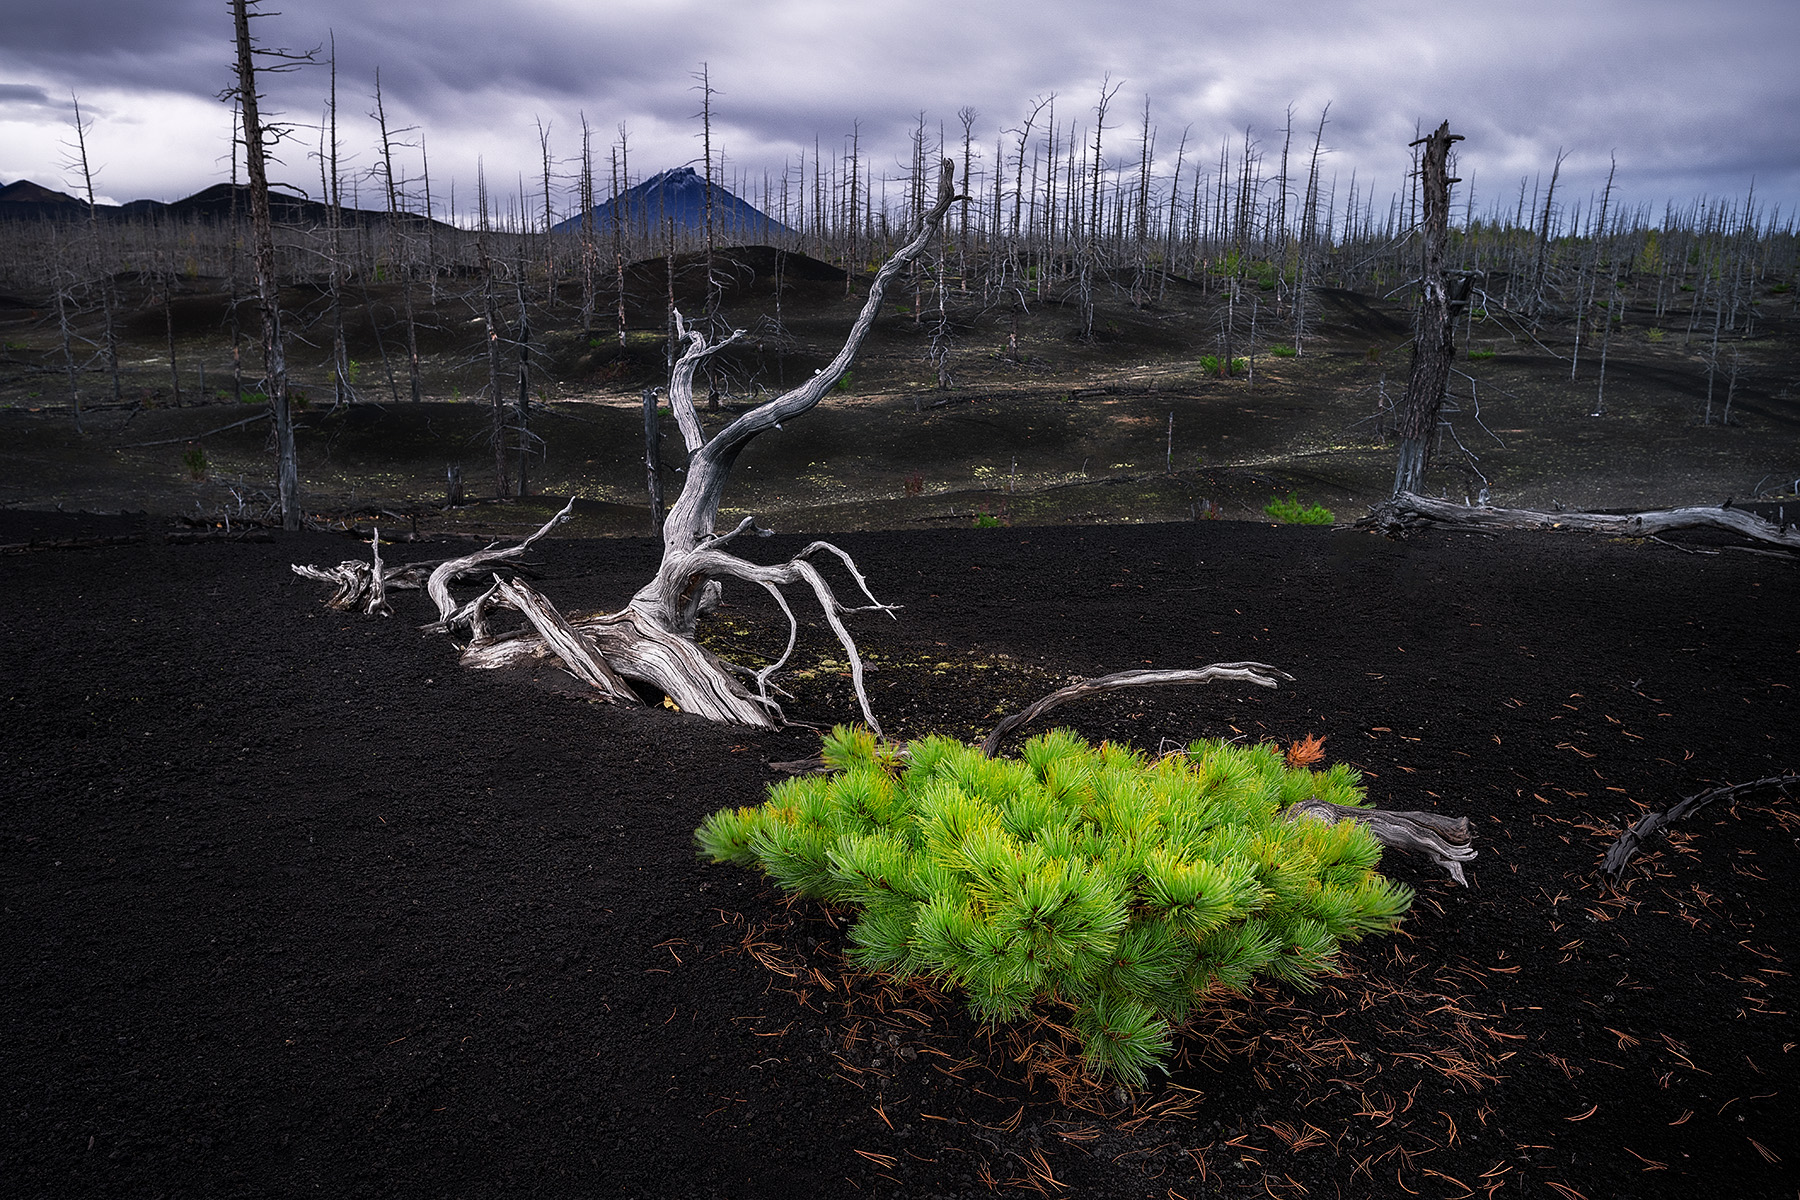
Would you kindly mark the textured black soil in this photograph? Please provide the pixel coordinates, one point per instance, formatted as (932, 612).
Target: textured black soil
(294, 905)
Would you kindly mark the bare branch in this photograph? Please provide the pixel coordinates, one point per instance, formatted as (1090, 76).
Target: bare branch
(1260, 674)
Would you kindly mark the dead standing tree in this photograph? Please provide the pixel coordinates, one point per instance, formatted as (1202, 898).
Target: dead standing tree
(257, 137)
(648, 645)
(1434, 340)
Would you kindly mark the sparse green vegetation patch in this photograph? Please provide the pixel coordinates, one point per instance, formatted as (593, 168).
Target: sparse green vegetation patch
(1292, 512)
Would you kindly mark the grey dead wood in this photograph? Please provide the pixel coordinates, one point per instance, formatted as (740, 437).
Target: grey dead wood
(1411, 511)
(650, 641)
(1446, 841)
(1260, 674)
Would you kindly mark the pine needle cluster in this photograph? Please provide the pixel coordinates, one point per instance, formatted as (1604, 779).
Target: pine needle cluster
(1090, 875)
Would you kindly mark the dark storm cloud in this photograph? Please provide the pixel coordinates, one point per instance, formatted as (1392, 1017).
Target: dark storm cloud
(26, 96)
(1687, 98)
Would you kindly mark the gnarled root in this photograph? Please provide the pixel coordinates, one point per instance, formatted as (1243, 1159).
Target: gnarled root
(641, 644)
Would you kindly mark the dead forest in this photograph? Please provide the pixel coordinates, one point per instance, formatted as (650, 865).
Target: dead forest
(396, 287)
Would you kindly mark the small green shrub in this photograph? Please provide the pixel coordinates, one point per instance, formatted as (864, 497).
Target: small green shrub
(194, 460)
(1089, 876)
(1481, 355)
(844, 381)
(1283, 351)
(1292, 512)
(1655, 335)
(1209, 364)
(1781, 289)
(986, 520)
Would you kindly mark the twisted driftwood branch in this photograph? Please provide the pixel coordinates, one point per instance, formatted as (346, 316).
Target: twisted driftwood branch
(1411, 511)
(1444, 840)
(1651, 824)
(363, 587)
(1261, 674)
(446, 573)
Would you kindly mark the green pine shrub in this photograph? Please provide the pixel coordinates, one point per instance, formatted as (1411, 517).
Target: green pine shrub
(1087, 875)
(1292, 512)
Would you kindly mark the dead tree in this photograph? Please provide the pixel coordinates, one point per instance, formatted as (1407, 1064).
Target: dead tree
(109, 301)
(648, 647)
(490, 324)
(268, 294)
(1434, 339)
(399, 241)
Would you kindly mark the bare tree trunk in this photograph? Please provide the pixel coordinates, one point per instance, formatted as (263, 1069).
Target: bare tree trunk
(586, 200)
(343, 391)
(1612, 298)
(237, 244)
(267, 289)
(653, 462)
(64, 328)
(522, 411)
(549, 220)
(165, 285)
(109, 300)
(1543, 251)
(618, 232)
(1434, 338)
(398, 237)
(490, 320)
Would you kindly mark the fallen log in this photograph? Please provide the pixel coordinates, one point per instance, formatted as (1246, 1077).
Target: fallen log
(1408, 510)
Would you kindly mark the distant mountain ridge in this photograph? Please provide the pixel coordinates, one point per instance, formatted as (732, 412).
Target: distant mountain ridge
(679, 194)
(25, 200)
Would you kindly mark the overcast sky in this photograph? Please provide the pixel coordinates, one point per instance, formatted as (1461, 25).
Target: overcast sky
(1690, 98)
